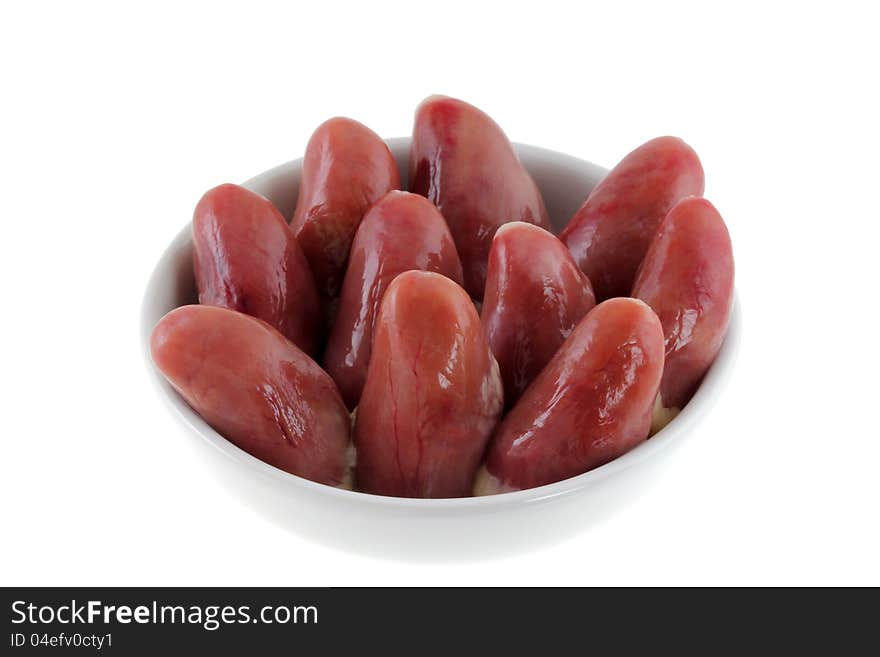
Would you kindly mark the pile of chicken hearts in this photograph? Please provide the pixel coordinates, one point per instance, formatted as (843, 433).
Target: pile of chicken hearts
(461, 346)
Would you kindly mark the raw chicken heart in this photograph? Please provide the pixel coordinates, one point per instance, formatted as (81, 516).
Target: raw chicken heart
(612, 230)
(433, 394)
(346, 168)
(245, 258)
(462, 161)
(400, 232)
(535, 296)
(592, 403)
(687, 278)
(256, 388)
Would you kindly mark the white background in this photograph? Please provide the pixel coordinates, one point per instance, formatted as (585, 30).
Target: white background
(115, 120)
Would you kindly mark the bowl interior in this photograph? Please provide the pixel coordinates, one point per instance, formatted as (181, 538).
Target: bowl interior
(564, 182)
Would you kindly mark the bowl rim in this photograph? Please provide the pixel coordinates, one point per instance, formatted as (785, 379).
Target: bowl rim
(677, 429)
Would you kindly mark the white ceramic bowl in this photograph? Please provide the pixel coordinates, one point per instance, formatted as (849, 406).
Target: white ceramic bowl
(418, 529)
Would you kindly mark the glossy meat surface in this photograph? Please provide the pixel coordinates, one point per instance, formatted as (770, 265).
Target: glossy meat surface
(401, 232)
(535, 296)
(592, 403)
(612, 230)
(245, 258)
(462, 162)
(687, 278)
(433, 393)
(346, 168)
(256, 388)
